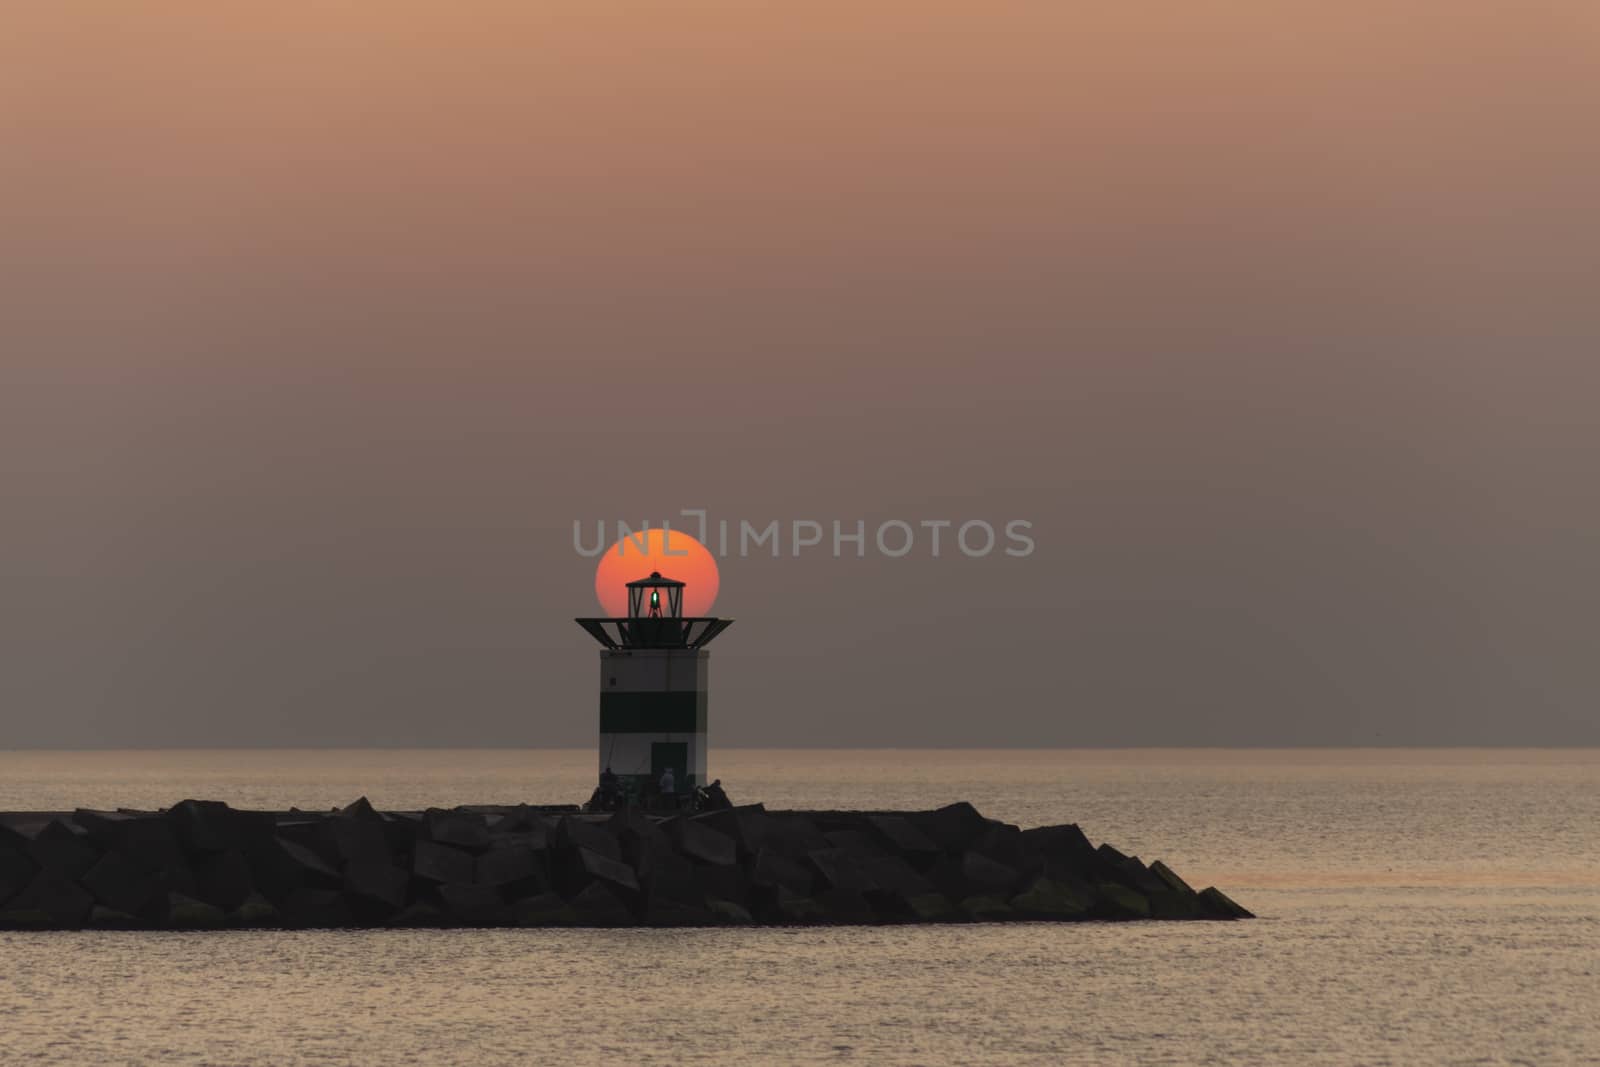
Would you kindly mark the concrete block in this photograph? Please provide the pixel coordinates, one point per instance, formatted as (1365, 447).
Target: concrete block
(104, 918)
(953, 827)
(12, 839)
(847, 907)
(1132, 873)
(988, 908)
(312, 869)
(1002, 843)
(402, 829)
(466, 830)
(729, 913)
(902, 835)
(203, 825)
(255, 911)
(17, 869)
(608, 870)
(63, 849)
(985, 875)
(475, 905)
(1061, 844)
(897, 876)
(104, 828)
(316, 909)
(1170, 878)
(575, 831)
(361, 808)
(726, 883)
(55, 895)
(1047, 898)
(1216, 904)
(518, 820)
(1120, 902)
(187, 913)
(1174, 904)
(598, 905)
(746, 825)
(545, 909)
(512, 864)
(121, 885)
(13, 918)
(841, 869)
(150, 841)
(224, 879)
(666, 912)
(434, 862)
(636, 832)
(793, 908)
(377, 882)
(314, 835)
(701, 843)
(177, 878)
(927, 907)
(793, 836)
(773, 870)
(667, 875)
(859, 842)
(360, 840)
(419, 914)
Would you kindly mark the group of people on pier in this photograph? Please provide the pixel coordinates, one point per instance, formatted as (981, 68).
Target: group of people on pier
(614, 793)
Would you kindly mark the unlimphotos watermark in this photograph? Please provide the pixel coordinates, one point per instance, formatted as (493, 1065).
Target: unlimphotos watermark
(892, 538)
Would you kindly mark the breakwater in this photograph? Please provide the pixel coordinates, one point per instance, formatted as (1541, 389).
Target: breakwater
(204, 865)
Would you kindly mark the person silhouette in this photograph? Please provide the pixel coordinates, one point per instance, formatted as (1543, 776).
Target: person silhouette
(668, 784)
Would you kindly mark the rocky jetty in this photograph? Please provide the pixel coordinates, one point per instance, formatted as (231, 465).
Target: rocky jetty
(203, 865)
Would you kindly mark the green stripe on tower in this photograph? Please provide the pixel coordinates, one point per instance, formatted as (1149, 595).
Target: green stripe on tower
(653, 713)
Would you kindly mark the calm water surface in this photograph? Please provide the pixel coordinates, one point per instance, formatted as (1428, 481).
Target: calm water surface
(1418, 906)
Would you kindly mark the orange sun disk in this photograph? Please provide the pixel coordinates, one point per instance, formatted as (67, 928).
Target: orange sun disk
(672, 552)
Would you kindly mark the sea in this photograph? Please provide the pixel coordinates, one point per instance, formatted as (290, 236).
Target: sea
(1416, 906)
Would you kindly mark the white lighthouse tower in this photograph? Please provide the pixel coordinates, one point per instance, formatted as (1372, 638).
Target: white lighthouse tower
(653, 688)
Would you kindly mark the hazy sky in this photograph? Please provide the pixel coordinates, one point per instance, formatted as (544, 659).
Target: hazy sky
(320, 324)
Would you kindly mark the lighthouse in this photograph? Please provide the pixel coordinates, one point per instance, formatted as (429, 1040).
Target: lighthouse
(653, 686)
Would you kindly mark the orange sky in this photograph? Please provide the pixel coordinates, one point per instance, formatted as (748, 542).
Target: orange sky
(320, 323)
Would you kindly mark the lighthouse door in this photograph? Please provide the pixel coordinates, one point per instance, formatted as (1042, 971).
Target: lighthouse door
(674, 754)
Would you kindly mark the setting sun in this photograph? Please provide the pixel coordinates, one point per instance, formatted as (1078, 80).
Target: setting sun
(672, 552)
